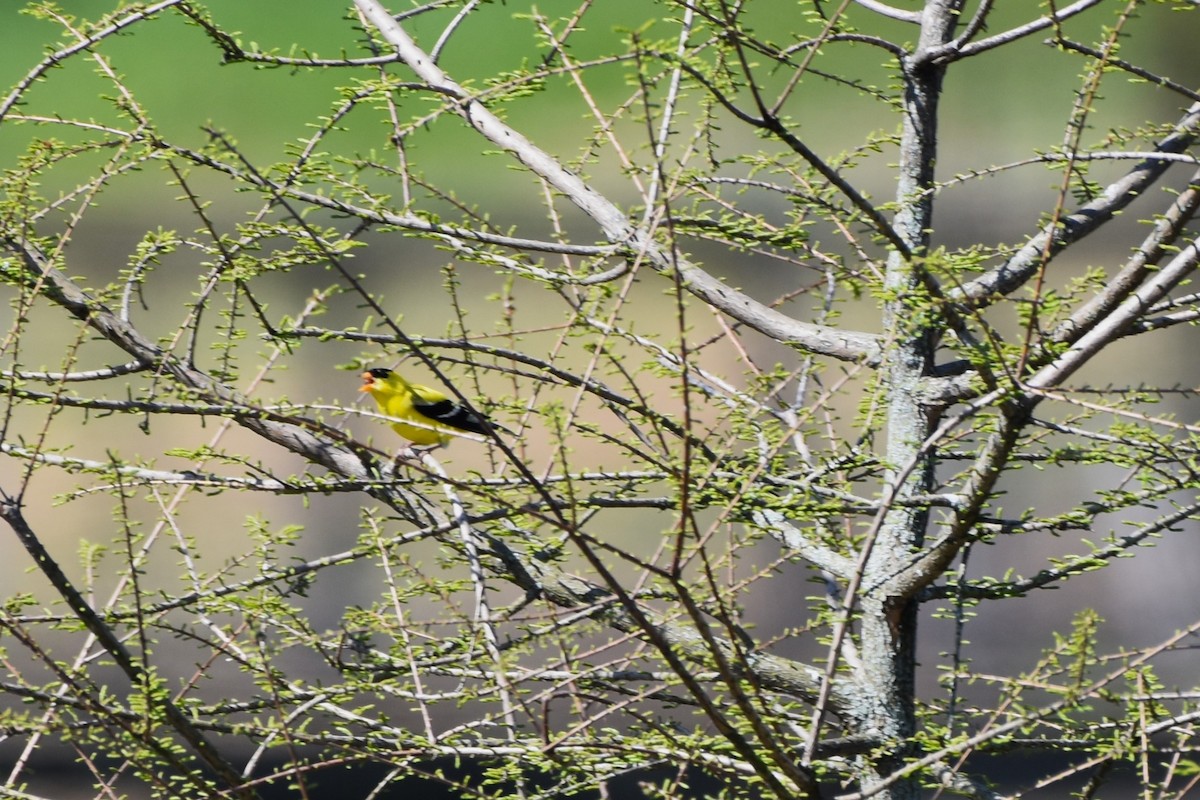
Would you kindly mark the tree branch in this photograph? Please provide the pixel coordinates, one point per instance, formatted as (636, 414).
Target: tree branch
(1024, 264)
(136, 672)
(531, 574)
(638, 243)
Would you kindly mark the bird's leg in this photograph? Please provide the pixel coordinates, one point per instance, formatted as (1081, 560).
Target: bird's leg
(412, 452)
(404, 454)
(408, 453)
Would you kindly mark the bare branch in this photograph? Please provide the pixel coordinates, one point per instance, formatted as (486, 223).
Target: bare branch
(998, 283)
(955, 49)
(637, 243)
(891, 11)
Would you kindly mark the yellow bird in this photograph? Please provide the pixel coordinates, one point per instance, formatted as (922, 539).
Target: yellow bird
(429, 415)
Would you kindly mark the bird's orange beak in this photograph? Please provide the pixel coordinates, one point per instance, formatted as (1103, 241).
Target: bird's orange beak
(368, 382)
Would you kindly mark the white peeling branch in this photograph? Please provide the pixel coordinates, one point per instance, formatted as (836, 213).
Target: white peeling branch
(959, 49)
(1114, 325)
(1025, 263)
(636, 241)
(901, 14)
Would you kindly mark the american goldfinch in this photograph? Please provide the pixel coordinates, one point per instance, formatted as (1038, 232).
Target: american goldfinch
(431, 413)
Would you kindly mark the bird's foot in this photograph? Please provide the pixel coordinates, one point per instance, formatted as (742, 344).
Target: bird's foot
(398, 459)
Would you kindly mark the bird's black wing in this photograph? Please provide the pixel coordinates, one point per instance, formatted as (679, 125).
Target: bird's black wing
(451, 414)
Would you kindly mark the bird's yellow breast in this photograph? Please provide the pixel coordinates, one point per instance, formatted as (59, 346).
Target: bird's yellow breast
(400, 406)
